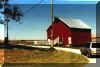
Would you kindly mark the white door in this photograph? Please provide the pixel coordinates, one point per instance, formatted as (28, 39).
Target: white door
(69, 40)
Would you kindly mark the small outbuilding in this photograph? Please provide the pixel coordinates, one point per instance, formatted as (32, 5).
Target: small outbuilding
(68, 31)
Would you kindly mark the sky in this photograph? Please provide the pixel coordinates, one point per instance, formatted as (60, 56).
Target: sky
(36, 20)
(49, 1)
(1, 32)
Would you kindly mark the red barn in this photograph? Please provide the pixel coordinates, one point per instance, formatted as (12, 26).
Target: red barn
(69, 31)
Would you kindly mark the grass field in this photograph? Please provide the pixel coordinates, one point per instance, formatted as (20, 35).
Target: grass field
(42, 56)
(1, 56)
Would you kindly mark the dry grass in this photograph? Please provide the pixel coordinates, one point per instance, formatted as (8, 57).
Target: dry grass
(44, 65)
(1, 56)
(42, 56)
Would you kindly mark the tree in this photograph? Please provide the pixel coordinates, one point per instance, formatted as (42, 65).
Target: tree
(0, 4)
(10, 12)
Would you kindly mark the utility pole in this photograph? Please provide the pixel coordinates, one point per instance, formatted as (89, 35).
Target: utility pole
(6, 38)
(52, 31)
(6, 20)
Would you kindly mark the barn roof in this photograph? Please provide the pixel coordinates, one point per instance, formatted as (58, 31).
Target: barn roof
(74, 23)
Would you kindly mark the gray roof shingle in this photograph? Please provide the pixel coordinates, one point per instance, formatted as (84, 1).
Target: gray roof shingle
(74, 23)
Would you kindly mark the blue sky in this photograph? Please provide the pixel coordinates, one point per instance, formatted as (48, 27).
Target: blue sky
(49, 1)
(37, 20)
(1, 31)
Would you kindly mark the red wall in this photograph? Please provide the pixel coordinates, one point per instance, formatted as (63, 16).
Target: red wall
(60, 29)
(79, 38)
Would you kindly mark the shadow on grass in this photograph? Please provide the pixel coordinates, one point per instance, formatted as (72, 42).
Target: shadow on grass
(10, 46)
